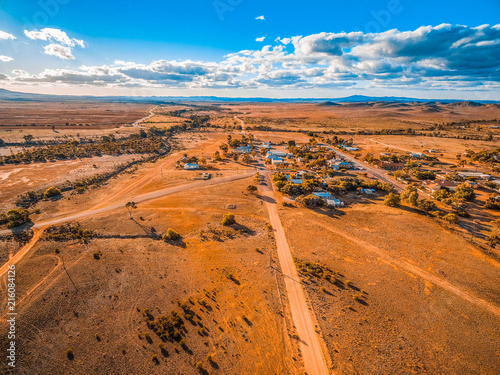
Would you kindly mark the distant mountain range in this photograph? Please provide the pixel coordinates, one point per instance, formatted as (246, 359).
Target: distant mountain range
(6, 95)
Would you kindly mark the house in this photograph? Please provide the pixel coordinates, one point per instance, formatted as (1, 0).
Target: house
(297, 181)
(417, 155)
(191, 166)
(350, 148)
(344, 165)
(385, 154)
(481, 176)
(243, 149)
(276, 160)
(203, 176)
(274, 153)
(391, 166)
(368, 191)
(433, 186)
(323, 194)
(334, 202)
(266, 145)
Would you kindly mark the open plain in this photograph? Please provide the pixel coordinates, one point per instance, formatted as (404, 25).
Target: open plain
(254, 238)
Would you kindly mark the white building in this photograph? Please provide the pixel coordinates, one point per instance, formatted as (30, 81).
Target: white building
(334, 202)
(278, 154)
(191, 166)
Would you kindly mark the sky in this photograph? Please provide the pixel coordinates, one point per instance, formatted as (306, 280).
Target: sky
(252, 48)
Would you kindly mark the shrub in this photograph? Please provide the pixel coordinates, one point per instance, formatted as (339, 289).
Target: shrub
(199, 365)
(493, 240)
(69, 354)
(451, 218)
(52, 192)
(228, 219)
(251, 189)
(171, 235)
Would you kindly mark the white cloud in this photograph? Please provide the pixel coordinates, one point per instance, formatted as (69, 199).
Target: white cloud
(260, 39)
(5, 58)
(4, 35)
(439, 57)
(54, 35)
(57, 50)
(61, 44)
(261, 18)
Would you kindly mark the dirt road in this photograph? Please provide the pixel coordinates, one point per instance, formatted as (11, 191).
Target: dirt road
(378, 173)
(21, 253)
(151, 114)
(310, 345)
(137, 199)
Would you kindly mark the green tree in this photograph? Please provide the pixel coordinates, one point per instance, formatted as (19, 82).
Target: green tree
(426, 205)
(251, 189)
(410, 195)
(392, 200)
(228, 219)
(171, 235)
(465, 191)
(441, 194)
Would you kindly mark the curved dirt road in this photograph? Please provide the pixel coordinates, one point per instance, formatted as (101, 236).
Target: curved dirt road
(312, 353)
(21, 253)
(141, 198)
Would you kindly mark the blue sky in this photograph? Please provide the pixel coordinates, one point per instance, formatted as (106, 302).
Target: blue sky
(218, 47)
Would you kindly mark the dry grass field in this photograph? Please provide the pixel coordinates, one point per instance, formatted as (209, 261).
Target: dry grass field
(95, 114)
(389, 290)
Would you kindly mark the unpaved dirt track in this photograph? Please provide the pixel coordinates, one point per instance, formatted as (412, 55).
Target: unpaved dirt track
(312, 353)
(21, 253)
(492, 308)
(138, 199)
(378, 173)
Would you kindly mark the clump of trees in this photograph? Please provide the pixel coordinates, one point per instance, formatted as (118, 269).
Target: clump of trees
(310, 201)
(68, 232)
(492, 202)
(107, 145)
(16, 218)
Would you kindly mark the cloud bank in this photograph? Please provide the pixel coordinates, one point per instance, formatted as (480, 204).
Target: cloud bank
(446, 56)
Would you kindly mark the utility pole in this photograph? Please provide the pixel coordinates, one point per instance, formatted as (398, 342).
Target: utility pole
(67, 273)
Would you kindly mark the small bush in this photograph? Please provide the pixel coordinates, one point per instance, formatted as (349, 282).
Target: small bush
(228, 219)
(52, 192)
(171, 235)
(69, 354)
